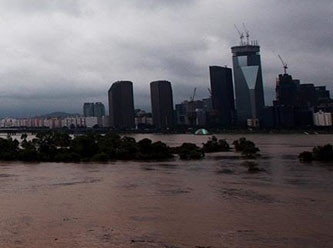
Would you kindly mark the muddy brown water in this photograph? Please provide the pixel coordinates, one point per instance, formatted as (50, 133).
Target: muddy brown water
(213, 202)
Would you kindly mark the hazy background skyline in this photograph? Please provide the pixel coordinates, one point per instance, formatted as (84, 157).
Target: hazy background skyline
(56, 55)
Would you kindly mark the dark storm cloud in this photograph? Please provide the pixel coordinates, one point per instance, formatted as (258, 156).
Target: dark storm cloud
(58, 54)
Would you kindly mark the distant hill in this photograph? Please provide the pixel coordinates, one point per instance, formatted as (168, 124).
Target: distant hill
(57, 114)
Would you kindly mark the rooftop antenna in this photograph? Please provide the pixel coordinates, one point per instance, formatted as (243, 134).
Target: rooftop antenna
(285, 67)
(241, 35)
(247, 32)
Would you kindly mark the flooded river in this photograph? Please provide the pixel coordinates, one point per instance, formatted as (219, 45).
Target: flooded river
(213, 202)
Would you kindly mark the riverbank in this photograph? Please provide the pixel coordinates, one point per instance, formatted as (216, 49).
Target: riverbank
(186, 130)
(51, 146)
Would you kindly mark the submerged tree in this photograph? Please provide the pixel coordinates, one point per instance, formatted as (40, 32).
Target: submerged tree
(246, 147)
(149, 150)
(9, 148)
(189, 151)
(215, 145)
(323, 153)
(319, 153)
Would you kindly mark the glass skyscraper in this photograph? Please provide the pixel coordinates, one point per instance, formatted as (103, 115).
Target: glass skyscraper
(222, 95)
(248, 82)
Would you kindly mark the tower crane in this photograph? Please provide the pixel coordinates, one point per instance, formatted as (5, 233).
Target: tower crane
(285, 66)
(247, 33)
(210, 92)
(193, 96)
(241, 35)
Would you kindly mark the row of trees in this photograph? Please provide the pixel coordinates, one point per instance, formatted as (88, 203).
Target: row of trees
(50, 146)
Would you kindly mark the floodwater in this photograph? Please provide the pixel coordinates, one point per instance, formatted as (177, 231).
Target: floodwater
(213, 202)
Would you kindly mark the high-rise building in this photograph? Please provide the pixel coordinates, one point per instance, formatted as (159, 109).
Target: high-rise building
(248, 81)
(222, 95)
(91, 109)
(88, 109)
(162, 104)
(99, 109)
(286, 90)
(121, 105)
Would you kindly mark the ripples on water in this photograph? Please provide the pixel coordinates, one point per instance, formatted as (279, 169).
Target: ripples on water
(213, 202)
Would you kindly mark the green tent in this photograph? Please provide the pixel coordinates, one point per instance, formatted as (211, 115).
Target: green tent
(201, 131)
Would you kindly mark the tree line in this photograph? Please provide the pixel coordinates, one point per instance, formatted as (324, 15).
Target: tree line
(53, 146)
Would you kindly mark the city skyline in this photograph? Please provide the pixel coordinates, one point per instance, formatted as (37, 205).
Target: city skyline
(57, 55)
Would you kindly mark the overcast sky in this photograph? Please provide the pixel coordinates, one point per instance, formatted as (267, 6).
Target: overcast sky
(57, 54)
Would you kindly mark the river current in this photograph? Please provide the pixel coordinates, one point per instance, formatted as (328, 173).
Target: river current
(214, 202)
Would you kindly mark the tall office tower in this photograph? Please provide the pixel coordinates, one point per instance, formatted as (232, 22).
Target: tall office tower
(248, 82)
(162, 104)
(121, 105)
(286, 90)
(88, 109)
(99, 109)
(222, 95)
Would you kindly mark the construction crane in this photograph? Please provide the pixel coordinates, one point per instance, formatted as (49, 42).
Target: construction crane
(193, 96)
(241, 35)
(191, 114)
(210, 92)
(285, 67)
(247, 32)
